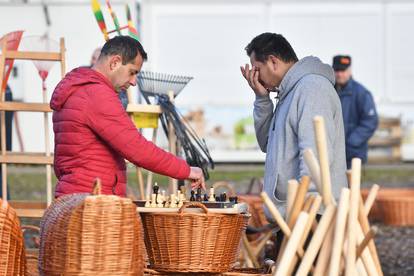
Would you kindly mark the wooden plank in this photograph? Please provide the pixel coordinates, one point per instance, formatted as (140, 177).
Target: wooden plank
(30, 213)
(384, 141)
(34, 55)
(19, 204)
(145, 108)
(26, 158)
(29, 107)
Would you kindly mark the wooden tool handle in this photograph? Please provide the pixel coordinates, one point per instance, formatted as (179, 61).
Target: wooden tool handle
(292, 245)
(353, 216)
(321, 143)
(313, 166)
(338, 242)
(371, 198)
(276, 214)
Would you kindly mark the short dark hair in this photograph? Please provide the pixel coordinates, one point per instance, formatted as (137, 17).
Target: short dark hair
(267, 44)
(125, 46)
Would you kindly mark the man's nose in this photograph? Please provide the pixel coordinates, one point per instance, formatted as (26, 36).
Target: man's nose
(133, 81)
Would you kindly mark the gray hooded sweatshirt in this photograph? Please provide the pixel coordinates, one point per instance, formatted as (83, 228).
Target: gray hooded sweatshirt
(283, 133)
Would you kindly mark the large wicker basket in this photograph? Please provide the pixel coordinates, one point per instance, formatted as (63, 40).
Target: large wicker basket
(394, 206)
(12, 253)
(193, 242)
(85, 234)
(233, 272)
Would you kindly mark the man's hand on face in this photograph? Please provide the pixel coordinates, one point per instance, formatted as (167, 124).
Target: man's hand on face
(252, 77)
(197, 178)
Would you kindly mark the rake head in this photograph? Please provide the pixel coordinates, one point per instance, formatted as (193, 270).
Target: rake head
(152, 84)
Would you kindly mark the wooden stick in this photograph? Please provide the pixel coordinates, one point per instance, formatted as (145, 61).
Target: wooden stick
(308, 203)
(3, 120)
(249, 251)
(324, 255)
(369, 236)
(150, 173)
(316, 204)
(293, 185)
(366, 254)
(314, 169)
(278, 218)
(62, 57)
(353, 216)
(316, 241)
(339, 232)
(172, 145)
(293, 245)
(47, 149)
(263, 240)
(371, 198)
(363, 219)
(321, 143)
(296, 208)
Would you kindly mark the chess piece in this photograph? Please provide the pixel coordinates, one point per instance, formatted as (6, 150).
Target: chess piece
(205, 197)
(223, 197)
(180, 203)
(198, 195)
(182, 198)
(192, 198)
(211, 197)
(173, 201)
(160, 201)
(153, 200)
(147, 202)
(155, 190)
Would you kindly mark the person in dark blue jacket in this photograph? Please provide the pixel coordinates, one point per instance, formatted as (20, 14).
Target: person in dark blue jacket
(358, 110)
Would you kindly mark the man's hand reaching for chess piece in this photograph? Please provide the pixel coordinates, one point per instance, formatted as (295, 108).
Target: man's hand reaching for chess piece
(197, 178)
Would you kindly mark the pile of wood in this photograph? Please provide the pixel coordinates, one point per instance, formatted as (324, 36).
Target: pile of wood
(333, 239)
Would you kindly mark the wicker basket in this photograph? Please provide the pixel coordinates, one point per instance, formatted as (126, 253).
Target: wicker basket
(233, 272)
(394, 207)
(96, 234)
(12, 253)
(254, 201)
(193, 242)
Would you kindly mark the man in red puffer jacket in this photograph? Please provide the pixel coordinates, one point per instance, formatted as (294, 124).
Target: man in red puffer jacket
(93, 133)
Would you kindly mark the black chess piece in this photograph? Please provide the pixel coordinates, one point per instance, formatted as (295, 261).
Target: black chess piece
(198, 195)
(223, 197)
(217, 199)
(205, 197)
(192, 198)
(156, 189)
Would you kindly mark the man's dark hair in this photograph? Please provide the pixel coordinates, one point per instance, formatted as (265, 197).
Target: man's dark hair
(125, 46)
(267, 44)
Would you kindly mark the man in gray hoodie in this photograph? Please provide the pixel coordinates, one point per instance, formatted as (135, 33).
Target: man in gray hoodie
(305, 89)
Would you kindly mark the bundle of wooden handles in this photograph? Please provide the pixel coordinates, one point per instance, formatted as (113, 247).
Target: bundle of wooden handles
(341, 241)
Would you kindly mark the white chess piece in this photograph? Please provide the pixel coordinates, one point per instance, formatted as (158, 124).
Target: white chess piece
(173, 203)
(211, 197)
(153, 201)
(147, 202)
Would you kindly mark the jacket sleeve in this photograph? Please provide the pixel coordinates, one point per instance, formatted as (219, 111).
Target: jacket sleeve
(107, 118)
(368, 120)
(262, 114)
(316, 98)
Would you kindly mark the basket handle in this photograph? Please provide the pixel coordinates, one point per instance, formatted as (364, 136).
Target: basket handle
(194, 204)
(226, 185)
(97, 187)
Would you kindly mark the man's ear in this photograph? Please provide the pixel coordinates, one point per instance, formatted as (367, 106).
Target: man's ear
(115, 62)
(274, 61)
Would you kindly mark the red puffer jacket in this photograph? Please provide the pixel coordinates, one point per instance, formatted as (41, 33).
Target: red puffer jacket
(93, 135)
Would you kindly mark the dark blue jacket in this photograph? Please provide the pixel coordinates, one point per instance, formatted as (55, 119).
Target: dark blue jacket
(360, 119)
